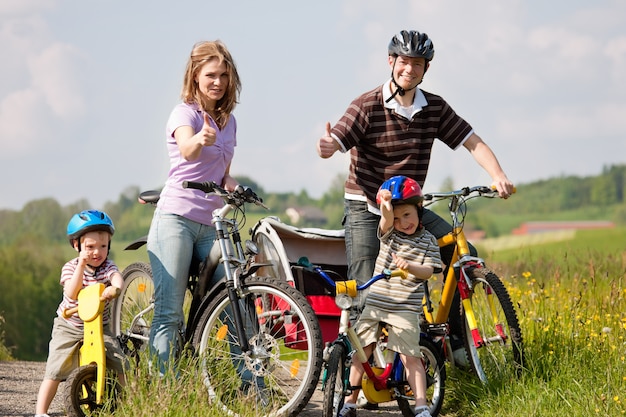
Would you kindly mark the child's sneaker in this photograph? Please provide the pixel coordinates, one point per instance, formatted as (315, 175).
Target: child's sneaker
(348, 410)
(425, 412)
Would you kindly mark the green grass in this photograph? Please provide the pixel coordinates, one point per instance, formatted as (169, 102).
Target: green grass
(178, 393)
(571, 298)
(5, 353)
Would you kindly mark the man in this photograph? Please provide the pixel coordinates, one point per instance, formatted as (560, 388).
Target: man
(390, 131)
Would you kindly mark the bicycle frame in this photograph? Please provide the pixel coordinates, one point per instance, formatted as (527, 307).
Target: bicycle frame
(461, 261)
(92, 350)
(233, 258)
(233, 255)
(386, 379)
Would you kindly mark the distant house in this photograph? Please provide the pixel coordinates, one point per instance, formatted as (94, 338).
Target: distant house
(551, 226)
(309, 214)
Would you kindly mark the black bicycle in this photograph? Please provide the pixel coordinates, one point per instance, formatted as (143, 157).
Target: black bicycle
(257, 338)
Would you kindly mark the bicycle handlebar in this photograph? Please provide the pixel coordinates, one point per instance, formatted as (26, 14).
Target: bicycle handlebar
(386, 274)
(240, 195)
(482, 190)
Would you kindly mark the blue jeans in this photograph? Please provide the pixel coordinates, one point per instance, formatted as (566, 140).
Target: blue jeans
(173, 241)
(362, 245)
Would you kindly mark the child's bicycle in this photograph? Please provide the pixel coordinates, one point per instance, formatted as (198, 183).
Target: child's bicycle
(380, 384)
(257, 338)
(84, 391)
(491, 331)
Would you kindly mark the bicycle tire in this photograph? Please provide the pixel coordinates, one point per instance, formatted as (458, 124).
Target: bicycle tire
(335, 380)
(137, 294)
(273, 379)
(435, 367)
(79, 392)
(499, 357)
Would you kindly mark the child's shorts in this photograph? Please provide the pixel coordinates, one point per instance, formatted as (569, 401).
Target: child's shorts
(403, 330)
(63, 353)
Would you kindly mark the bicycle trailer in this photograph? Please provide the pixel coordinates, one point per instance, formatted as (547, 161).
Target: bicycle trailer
(283, 244)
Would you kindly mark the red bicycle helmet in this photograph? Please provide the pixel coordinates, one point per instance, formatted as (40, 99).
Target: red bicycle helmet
(404, 190)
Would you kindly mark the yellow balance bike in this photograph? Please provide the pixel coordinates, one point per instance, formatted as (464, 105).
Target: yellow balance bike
(84, 391)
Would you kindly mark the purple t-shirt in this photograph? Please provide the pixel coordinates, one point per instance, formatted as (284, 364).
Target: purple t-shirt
(210, 166)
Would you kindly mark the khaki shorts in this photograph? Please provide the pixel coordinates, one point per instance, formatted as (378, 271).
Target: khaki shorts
(63, 353)
(403, 329)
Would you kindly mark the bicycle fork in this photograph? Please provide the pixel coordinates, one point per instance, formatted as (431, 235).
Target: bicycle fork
(465, 291)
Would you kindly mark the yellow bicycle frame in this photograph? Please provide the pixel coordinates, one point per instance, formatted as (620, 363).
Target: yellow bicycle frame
(90, 309)
(461, 248)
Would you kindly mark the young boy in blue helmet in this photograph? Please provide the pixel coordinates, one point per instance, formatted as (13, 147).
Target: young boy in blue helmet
(89, 233)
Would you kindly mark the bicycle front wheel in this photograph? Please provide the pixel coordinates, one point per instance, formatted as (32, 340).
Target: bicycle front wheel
(132, 311)
(80, 392)
(280, 372)
(495, 347)
(335, 381)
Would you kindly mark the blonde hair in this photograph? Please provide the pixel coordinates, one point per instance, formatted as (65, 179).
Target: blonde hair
(201, 53)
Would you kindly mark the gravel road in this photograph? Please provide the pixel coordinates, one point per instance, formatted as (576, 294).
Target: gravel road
(19, 383)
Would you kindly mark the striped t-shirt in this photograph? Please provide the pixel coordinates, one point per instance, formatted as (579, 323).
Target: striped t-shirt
(102, 275)
(399, 294)
(383, 143)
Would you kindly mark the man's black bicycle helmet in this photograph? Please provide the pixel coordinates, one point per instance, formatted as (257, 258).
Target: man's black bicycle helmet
(412, 43)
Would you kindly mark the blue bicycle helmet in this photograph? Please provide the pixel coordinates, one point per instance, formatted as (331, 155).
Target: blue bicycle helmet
(89, 221)
(404, 190)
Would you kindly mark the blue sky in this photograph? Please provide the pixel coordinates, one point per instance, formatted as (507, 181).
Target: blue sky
(86, 87)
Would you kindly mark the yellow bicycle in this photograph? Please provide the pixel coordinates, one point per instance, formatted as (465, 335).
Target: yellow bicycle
(87, 386)
(491, 331)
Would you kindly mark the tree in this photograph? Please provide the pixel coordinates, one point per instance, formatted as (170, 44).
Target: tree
(29, 278)
(604, 190)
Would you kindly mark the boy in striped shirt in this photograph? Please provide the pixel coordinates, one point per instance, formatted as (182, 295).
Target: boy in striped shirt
(396, 303)
(89, 233)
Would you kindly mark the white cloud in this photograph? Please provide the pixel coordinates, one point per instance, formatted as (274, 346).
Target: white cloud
(18, 127)
(534, 78)
(21, 7)
(41, 90)
(54, 73)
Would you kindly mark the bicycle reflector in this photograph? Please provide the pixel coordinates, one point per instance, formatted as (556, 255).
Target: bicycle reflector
(343, 301)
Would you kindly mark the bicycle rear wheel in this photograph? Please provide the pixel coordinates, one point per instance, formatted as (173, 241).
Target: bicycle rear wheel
(499, 354)
(280, 373)
(132, 311)
(335, 381)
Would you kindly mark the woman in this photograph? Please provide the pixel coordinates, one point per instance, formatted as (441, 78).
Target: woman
(201, 139)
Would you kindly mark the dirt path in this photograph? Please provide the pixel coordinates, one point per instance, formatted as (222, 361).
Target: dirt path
(19, 383)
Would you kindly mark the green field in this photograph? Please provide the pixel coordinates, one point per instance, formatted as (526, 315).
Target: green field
(570, 294)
